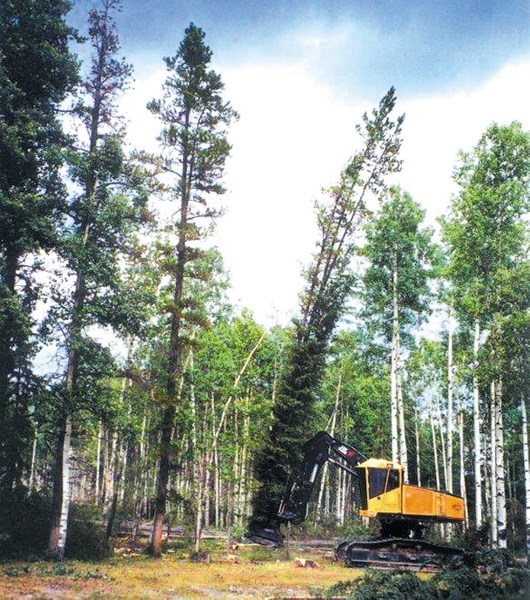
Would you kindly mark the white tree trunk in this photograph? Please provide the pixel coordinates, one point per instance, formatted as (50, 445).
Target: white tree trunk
(112, 452)
(394, 374)
(500, 475)
(31, 482)
(403, 453)
(461, 442)
(450, 388)
(476, 430)
(67, 488)
(418, 453)
(442, 438)
(526, 459)
(98, 463)
(494, 533)
(435, 448)
(340, 496)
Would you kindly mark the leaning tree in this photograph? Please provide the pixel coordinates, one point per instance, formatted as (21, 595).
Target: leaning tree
(329, 281)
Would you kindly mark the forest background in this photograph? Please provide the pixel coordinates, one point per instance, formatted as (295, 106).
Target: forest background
(131, 384)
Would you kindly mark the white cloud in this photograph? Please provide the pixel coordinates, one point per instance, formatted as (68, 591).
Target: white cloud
(294, 136)
(292, 139)
(437, 128)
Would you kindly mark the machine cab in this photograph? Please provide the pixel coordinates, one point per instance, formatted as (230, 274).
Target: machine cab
(380, 486)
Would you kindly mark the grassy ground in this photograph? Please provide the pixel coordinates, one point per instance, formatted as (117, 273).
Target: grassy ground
(246, 572)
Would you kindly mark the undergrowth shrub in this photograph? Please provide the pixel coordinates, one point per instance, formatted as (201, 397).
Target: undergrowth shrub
(385, 585)
(25, 528)
(85, 538)
(487, 574)
(24, 525)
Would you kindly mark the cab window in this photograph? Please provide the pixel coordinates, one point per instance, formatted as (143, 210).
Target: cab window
(378, 480)
(393, 480)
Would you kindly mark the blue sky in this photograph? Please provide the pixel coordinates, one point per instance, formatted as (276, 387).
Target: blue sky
(364, 44)
(301, 73)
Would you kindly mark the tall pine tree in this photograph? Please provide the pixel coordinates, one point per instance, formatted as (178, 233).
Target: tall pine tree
(97, 230)
(194, 118)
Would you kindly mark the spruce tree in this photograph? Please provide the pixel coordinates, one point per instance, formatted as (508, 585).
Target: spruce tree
(37, 71)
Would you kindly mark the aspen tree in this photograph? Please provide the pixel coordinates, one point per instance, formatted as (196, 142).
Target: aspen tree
(485, 237)
(396, 293)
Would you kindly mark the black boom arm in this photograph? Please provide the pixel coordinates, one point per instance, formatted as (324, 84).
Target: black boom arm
(319, 449)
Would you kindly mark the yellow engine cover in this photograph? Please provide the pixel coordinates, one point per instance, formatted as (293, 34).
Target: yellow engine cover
(432, 504)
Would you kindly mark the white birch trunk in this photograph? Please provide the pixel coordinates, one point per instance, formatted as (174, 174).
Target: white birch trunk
(526, 458)
(435, 449)
(450, 388)
(394, 383)
(418, 453)
(67, 488)
(463, 490)
(98, 463)
(500, 475)
(31, 483)
(442, 438)
(339, 508)
(476, 431)
(403, 453)
(494, 533)
(112, 462)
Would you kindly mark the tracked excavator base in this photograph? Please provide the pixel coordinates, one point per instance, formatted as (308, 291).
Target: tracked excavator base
(396, 553)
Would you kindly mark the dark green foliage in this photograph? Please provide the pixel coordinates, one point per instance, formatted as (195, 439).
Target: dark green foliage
(36, 73)
(487, 573)
(475, 539)
(385, 585)
(86, 538)
(478, 577)
(25, 523)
